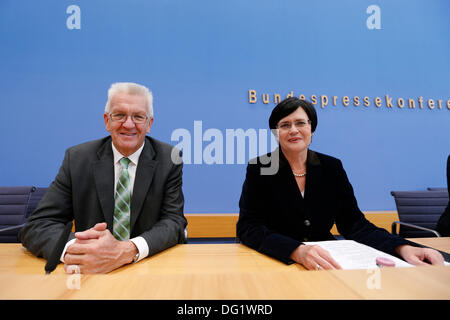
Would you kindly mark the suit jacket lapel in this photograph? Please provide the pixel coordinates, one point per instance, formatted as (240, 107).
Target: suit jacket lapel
(103, 170)
(287, 185)
(313, 176)
(144, 176)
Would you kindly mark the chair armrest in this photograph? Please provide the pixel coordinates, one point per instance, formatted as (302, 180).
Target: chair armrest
(12, 228)
(394, 229)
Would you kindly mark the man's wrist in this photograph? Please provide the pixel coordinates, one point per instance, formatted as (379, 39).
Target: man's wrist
(131, 252)
(68, 244)
(142, 246)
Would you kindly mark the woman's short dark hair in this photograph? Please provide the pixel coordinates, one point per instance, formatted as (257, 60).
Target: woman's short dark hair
(289, 105)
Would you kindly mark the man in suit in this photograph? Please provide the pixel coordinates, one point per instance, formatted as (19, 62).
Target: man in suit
(123, 191)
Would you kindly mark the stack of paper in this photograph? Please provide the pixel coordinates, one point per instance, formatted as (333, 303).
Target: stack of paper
(354, 255)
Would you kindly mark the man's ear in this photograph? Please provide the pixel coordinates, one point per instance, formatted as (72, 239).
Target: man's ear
(150, 124)
(106, 119)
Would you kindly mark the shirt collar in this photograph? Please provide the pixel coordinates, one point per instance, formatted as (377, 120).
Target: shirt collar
(134, 158)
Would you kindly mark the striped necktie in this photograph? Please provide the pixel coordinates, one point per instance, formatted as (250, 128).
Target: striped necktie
(122, 199)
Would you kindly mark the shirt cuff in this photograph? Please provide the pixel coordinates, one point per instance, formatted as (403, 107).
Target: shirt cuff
(65, 248)
(142, 247)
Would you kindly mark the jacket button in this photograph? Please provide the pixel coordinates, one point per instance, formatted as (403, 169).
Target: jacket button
(307, 223)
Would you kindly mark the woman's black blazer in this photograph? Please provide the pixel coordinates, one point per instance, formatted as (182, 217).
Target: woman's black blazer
(275, 219)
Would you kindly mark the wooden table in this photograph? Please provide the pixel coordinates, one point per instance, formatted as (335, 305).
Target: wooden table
(216, 272)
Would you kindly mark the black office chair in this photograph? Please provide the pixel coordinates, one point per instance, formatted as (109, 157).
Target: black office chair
(34, 200)
(13, 211)
(443, 225)
(419, 212)
(436, 189)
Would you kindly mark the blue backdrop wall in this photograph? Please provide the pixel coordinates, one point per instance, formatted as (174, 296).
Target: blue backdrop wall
(377, 72)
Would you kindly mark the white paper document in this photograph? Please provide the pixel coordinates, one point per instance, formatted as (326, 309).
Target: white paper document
(354, 255)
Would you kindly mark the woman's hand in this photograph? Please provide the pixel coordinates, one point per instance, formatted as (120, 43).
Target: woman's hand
(314, 258)
(420, 256)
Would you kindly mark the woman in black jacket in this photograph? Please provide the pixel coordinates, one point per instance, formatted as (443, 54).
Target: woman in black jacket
(304, 196)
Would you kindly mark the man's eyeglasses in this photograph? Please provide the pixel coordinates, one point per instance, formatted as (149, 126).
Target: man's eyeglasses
(122, 117)
(298, 124)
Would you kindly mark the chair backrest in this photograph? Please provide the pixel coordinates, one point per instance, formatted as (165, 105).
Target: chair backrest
(35, 197)
(13, 210)
(422, 208)
(448, 175)
(436, 189)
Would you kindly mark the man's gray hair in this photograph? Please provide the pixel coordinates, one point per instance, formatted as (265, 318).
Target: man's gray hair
(130, 88)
